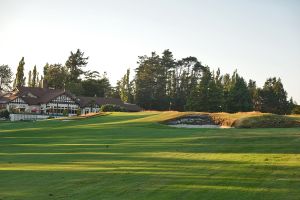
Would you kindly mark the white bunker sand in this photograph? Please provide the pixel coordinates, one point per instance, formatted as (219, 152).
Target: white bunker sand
(197, 126)
(194, 121)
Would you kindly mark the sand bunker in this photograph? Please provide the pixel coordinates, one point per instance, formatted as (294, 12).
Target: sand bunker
(197, 126)
(194, 121)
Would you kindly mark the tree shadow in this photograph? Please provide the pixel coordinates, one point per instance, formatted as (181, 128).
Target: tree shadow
(140, 160)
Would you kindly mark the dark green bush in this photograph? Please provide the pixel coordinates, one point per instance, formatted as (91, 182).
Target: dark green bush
(65, 112)
(4, 114)
(112, 108)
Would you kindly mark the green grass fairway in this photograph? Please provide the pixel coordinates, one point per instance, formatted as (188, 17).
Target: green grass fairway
(131, 156)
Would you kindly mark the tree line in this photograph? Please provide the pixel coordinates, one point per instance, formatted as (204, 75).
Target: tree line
(160, 82)
(163, 83)
(71, 76)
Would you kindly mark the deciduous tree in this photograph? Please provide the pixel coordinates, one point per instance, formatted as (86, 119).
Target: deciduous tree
(5, 77)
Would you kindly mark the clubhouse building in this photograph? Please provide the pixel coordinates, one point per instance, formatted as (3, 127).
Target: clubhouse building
(54, 102)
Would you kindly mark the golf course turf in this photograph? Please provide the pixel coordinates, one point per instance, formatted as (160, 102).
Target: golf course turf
(131, 156)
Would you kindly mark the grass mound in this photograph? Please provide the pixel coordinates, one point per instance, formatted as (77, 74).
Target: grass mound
(255, 120)
(229, 119)
(266, 121)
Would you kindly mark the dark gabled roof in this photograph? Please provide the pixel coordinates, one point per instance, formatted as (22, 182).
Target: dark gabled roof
(51, 94)
(38, 92)
(88, 101)
(34, 95)
(7, 97)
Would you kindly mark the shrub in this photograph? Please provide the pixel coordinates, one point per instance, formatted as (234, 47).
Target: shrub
(78, 112)
(112, 108)
(65, 112)
(4, 114)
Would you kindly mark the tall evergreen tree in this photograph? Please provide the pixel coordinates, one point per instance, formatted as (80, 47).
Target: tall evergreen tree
(215, 93)
(253, 90)
(34, 81)
(198, 99)
(273, 97)
(227, 84)
(146, 80)
(239, 95)
(168, 64)
(188, 73)
(125, 88)
(20, 79)
(161, 72)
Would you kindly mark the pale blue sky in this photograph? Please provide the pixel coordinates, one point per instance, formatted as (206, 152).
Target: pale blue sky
(260, 38)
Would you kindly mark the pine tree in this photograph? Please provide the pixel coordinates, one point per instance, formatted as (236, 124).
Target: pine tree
(253, 90)
(74, 64)
(239, 96)
(166, 63)
(198, 99)
(273, 97)
(215, 93)
(146, 80)
(226, 82)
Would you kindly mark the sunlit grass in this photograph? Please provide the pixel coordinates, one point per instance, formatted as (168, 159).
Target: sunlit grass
(131, 156)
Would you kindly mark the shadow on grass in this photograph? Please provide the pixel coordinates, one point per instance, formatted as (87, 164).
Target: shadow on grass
(143, 177)
(118, 158)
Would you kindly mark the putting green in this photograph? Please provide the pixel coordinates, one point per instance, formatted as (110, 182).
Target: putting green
(131, 156)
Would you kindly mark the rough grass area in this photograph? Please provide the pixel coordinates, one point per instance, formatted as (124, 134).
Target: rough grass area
(131, 156)
(255, 120)
(228, 119)
(267, 121)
